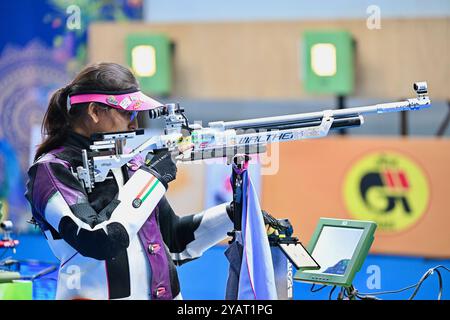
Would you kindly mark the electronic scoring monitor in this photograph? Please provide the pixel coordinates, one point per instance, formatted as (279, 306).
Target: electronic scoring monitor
(340, 248)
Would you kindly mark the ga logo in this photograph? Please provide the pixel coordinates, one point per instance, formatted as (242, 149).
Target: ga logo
(387, 188)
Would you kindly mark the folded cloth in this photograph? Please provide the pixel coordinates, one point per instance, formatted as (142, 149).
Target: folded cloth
(250, 252)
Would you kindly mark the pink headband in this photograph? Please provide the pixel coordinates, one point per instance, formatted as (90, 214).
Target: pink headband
(135, 101)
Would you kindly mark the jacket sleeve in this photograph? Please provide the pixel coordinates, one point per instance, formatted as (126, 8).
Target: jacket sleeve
(59, 200)
(187, 237)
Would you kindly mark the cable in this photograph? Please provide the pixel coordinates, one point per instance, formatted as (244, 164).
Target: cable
(426, 275)
(416, 286)
(440, 284)
(352, 293)
(317, 290)
(368, 297)
(341, 293)
(388, 292)
(443, 267)
(419, 284)
(331, 292)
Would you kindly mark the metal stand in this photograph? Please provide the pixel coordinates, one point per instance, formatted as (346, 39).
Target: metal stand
(349, 293)
(341, 105)
(444, 125)
(239, 161)
(404, 132)
(283, 269)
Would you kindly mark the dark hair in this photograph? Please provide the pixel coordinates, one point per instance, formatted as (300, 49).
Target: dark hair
(96, 77)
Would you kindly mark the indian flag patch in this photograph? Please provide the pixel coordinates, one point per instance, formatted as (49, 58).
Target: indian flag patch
(145, 192)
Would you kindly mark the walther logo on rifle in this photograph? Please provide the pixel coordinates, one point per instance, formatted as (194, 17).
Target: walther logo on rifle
(269, 137)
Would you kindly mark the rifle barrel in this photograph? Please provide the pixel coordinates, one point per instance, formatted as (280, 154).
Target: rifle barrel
(410, 104)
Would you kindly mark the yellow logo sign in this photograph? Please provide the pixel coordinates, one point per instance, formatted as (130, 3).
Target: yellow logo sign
(387, 188)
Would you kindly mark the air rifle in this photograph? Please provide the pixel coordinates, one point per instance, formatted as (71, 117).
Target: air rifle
(226, 139)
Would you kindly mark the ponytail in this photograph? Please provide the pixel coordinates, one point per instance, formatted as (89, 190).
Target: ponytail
(56, 123)
(58, 120)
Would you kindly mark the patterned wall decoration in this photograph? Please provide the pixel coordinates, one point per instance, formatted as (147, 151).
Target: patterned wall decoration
(27, 77)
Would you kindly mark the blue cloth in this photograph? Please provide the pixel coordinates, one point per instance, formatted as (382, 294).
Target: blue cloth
(256, 275)
(234, 256)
